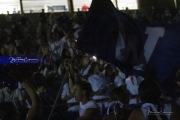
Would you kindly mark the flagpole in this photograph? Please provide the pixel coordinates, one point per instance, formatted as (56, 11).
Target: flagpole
(117, 4)
(21, 5)
(58, 95)
(175, 3)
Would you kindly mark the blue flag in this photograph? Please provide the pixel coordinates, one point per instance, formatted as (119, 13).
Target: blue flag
(111, 35)
(116, 38)
(165, 56)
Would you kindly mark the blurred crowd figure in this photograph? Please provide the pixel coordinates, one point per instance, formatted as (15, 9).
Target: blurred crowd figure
(92, 89)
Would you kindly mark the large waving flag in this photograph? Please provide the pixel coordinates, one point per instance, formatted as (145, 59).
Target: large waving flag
(111, 35)
(114, 36)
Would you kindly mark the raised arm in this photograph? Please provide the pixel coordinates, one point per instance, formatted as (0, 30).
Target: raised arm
(65, 33)
(35, 99)
(71, 84)
(34, 110)
(70, 77)
(49, 34)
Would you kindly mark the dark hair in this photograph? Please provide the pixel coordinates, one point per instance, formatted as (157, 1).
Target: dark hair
(85, 85)
(71, 34)
(93, 65)
(118, 94)
(9, 110)
(51, 79)
(76, 71)
(38, 80)
(64, 56)
(81, 61)
(149, 91)
(108, 66)
(39, 37)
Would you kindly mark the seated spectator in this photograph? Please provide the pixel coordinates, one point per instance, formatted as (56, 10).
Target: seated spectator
(52, 88)
(77, 28)
(38, 43)
(151, 99)
(132, 85)
(12, 50)
(24, 20)
(18, 44)
(89, 110)
(3, 51)
(72, 48)
(11, 93)
(39, 83)
(52, 18)
(48, 67)
(8, 111)
(98, 82)
(113, 77)
(167, 17)
(44, 49)
(56, 43)
(24, 110)
(69, 36)
(63, 66)
(66, 54)
(30, 51)
(118, 106)
(62, 19)
(84, 65)
(67, 95)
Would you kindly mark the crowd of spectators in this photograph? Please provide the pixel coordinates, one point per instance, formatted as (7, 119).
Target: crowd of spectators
(152, 16)
(103, 90)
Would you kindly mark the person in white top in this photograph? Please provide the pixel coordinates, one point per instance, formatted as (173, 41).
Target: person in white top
(117, 108)
(72, 48)
(99, 83)
(11, 93)
(132, 85)
(67, 93)
(84, 65)
(89, 110)
(48, 67)
(77, 28)
(8, 111)
(153, 109)
(57, 44)
(116, 77)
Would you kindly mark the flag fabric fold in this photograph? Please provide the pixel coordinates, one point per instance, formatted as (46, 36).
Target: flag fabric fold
(115, 37)
(111, 35)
